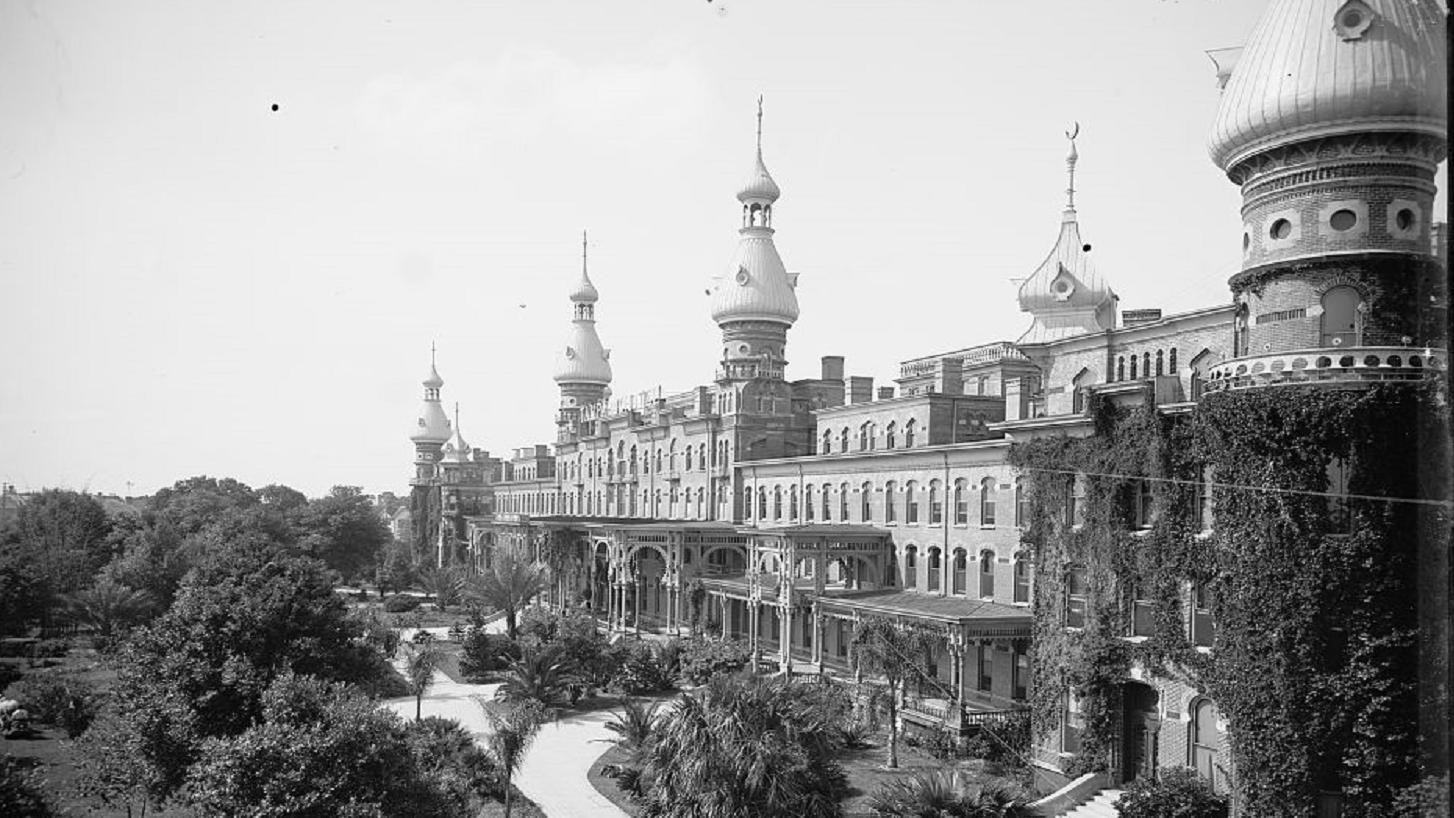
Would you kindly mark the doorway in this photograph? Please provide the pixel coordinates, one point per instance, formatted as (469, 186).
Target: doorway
(1140, 726)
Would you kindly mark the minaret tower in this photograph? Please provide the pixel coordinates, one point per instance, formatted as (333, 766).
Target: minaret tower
(754, 300)
(583, 367)
(431, 430)
(1333, 123)
(1065, 295)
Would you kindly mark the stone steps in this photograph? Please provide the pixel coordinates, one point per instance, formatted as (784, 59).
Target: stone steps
(1099, 806)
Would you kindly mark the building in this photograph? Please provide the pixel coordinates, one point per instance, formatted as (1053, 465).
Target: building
(1092, 518)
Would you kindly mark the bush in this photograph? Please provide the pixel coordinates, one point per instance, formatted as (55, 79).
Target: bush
(54, 698)
(22, 791)
(9, 674)
(376, 634)
(638, 670)
(481, 653)
(401, 603)
(702, 659)
(53, 648)
(1177, 793)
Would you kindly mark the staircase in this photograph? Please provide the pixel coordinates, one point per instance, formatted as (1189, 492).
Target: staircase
(1099, 806)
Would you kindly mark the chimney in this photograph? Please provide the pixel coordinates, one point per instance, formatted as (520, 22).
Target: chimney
(832, 367)
(885, 392)
(860, 389)
(951, 379)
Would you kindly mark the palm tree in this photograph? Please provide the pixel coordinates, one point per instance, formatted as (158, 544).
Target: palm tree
(109, 606)
(894, 652)
(951, 794)
(422, 660)
(635, 725)
(538, 675)
(513, 727)
(507, 586)
(445, 583)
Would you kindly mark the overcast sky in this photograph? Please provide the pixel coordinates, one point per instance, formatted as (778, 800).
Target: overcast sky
(194, 283)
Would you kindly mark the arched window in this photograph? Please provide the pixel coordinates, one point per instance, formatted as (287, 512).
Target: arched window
(890, 435)
(1205, 742)
(960, 570)
(1121, 367)
(987, 574)
(793, 503)
(1133, 367)
(890, 501)
(843, 440)
(656, 502)
(827, 512)
(827, 442)
(701, 502)
(1171, 362)
(658, 461)
(1022, 507)
(1340, 317)
(1146, 364)
(1078, 386)
(777, 502)
(688, 454)
(911, 503)
(911, 567)
(863, 438)
(1022, 577)
(934, 568)
(865, 506)
(633, 460)
(843, 503)
(762, 503)
(702, 457)
(936, 503)
(808, 502)
(1160, 363)
(987, 503)
(909, 428)
(961, 503)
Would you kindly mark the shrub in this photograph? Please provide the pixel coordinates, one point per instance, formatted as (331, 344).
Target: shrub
(53, 648)
(702, 659)
(22, 791)
(638, 670)
(401, 603)
(951, 792)
(1177, 793)
(481, 653)
(54, 698)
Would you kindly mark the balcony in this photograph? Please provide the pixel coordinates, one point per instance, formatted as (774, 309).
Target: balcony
(730, 372)
(1333, 365)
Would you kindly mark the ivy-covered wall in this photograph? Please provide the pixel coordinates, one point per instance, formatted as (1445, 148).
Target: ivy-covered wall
(1317, 662)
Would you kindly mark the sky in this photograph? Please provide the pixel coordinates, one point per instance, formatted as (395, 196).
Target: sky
(194, 282)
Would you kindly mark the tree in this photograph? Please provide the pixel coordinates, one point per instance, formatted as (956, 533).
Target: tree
(894, 652)
(109, 606)
(396, 569)
(538, 676)
(343, 530)
(196, 502)
(22, 792)
(513, 727)
(445, 584)
(283, 498)
(635, 725)
(422, 659)
(749, 746)
(55, 545)
(507, 586)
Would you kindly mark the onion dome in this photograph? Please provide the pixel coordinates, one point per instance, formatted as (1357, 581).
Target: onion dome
(432, 426)
(433, 381)
(760, 187)
(1318, 67)
(756, 286)
(584, 292)
(584, 359)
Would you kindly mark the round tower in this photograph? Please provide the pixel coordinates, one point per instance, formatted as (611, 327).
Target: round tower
(431, 429)
(754, 301)
(1333, 123)
(583, 367)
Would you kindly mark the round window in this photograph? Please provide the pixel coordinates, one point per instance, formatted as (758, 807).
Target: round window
(1342, 220)
(1404, 219)
(1281, 229)
(1352, 18)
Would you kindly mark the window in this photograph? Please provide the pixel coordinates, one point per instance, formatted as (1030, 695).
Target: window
(987, 503)
(865, 508)
(1020, 681)
(1340, 513)
(987, 574)
(890, 509)
(808, 502)
(658, 461)
(793, 503)
(1072, 725)
(911, 503)
(827, 514)
(1075, 590)
(762, 504)
(827, 443)
(890, 435)
(777, 502)
(934, 569)
(1022, 508)
(960, 569)
(843, 503)
(911, 567)
(1075, 502)
(1203, 625)
(863, 437)
(1205, 742)
(936, 503)
(688, 465)
(1120, 367)
(986, 667)
(1203, 501)
(1143, 611)
(633, 460)
(1022, 577)
(909, 428)
(843, 439)
(1160, 363)
(1143, 504)
(702, 457)
(1171, 362)
(961, 504)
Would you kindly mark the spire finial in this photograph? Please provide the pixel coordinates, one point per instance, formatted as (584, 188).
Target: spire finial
(456, 416)
(583, 252)
(759, 126)
(431, 353)
(1070, 166)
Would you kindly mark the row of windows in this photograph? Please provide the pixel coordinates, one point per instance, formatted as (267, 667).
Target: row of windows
(1200, 625)
(868, 438)
(818, 500)
(984, 569)
(1140, 366)
(631, 462)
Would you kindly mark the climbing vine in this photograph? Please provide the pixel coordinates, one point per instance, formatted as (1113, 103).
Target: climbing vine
(1317, 654)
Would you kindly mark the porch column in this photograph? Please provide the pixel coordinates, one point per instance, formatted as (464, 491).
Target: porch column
(817, 638)
(785, 638)
(724, 631)
(753, 614)
(640, 593)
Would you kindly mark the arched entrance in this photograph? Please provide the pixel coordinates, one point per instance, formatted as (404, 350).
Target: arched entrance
(1140, 725)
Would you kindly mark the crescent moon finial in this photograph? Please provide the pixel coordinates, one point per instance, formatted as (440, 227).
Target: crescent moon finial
(1073, 133)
